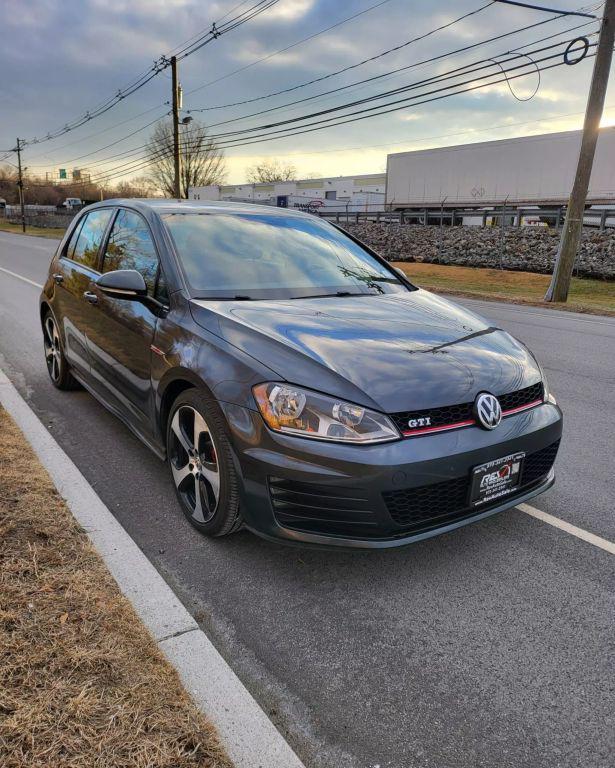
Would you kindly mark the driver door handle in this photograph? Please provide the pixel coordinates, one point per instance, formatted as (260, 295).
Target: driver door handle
(91, 297)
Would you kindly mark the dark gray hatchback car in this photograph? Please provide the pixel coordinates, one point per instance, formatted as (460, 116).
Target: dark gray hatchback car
(295, 382)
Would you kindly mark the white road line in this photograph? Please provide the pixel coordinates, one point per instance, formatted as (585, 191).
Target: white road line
(20, 277)
(590, 538)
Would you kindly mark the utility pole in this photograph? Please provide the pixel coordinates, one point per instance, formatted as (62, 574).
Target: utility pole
(573, 226)
(176, 108)
(20, 186)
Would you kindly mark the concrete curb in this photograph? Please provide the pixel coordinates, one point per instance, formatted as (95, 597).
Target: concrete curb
(250, 738)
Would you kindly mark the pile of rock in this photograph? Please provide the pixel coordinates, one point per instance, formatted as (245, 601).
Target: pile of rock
(530, 249)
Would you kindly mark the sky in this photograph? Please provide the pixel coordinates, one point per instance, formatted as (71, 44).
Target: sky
(60, 59)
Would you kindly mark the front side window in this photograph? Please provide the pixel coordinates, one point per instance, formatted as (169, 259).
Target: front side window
(87, 244)
(260, 255)
(130, 246)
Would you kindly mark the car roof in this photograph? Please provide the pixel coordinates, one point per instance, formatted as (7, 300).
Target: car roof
(162, 206)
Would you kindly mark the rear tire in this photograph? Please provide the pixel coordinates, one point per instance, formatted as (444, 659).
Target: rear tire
(57, 365)
(201, 463)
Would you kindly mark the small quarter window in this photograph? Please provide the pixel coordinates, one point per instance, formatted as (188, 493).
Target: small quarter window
(91, 233)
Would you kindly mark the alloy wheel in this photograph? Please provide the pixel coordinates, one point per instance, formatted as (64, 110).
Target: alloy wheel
(53, 352)
(194, 463)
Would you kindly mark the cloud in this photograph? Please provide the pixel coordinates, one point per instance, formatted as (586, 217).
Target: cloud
(59, 58)
(288, 10)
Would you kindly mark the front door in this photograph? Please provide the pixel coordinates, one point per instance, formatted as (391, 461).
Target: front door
(120, 338)
(76, 270)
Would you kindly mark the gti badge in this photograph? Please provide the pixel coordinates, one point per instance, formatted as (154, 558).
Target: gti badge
(487, 411)
(423, 422)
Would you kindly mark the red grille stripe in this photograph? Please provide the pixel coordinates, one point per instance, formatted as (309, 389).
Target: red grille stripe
(525, 407)
(469, 423)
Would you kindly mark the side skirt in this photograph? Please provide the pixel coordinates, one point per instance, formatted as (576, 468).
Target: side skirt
(159, 451)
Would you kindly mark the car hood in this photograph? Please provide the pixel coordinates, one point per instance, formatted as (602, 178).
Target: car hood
(394, 352)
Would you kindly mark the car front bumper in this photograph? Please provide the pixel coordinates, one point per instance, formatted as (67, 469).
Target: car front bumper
(318, 493)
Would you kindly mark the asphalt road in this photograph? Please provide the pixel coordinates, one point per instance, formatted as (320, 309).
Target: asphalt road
(491, 646)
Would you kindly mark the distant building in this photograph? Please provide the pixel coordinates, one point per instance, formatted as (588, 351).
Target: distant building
(352, 193)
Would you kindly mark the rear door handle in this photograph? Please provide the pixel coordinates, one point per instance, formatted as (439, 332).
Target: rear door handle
(91, 297)
(58, 278)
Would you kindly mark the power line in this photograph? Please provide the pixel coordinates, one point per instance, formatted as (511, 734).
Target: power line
(459, 71)
(159, 65)
(377, 77)
(143, 163)
(98, 133)
(393, 72)
(288, 47)
(232, 142)
(416, 64)
(466, 132)
(352, 66)
(547, 10)
(228, 143)
(436, 95)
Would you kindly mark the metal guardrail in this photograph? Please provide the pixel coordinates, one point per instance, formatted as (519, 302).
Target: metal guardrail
(454, 216)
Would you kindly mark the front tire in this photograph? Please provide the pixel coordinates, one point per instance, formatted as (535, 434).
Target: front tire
(201, 462)
(57, 365)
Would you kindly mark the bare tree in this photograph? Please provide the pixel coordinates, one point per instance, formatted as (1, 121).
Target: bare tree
(138, 187)
(269, 171)
(8, 184)
(202, 163)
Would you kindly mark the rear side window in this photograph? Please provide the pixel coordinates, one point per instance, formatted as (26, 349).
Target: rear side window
(130, 246)
(87, 244)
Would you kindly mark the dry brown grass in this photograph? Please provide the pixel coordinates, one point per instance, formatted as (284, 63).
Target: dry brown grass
(81, 681)
(586, 295)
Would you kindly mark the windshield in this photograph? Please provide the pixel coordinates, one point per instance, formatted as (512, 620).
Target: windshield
(264, 255)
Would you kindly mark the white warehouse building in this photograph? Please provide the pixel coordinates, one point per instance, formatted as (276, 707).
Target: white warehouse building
(339, 193)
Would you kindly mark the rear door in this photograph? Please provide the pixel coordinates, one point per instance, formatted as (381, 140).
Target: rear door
(77, 268)
(119, 339)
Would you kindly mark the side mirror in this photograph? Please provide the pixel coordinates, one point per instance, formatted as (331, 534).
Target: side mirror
(123, 284)
(401, 272)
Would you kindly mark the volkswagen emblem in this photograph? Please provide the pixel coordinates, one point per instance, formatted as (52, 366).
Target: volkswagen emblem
(488, 411)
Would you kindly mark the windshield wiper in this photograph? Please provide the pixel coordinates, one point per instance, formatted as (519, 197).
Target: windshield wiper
(330, 295)
(238, 297)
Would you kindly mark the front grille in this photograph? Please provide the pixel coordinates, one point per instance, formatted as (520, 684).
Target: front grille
(322, 509)
(450, 415)
(522, 397)
(440, 503)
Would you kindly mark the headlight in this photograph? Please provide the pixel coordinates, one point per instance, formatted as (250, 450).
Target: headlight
(296, 411)
(547, 395)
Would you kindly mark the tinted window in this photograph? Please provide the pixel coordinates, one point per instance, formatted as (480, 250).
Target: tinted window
(70, 247)
(130, 246)
(269, 255)
(90, 237)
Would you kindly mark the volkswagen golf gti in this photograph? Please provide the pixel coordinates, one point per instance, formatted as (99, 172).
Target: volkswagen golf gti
(294, 381)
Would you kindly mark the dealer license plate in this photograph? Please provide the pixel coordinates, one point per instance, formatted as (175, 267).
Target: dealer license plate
(496, 479)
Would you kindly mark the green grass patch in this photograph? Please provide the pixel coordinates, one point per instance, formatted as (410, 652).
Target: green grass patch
(586, 295)
(56, 233)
